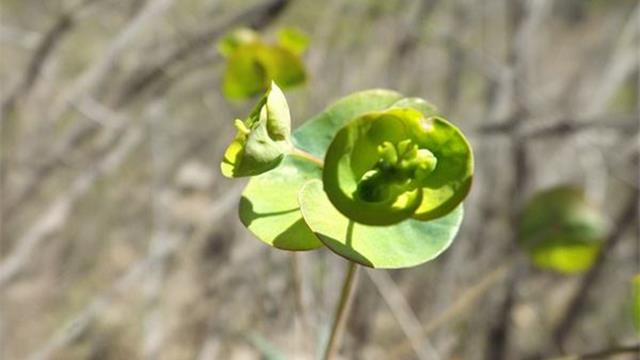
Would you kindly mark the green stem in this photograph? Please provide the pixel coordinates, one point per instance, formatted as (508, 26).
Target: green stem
(306, 156)
(342, 310)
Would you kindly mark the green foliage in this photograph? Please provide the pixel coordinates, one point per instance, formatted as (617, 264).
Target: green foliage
(416, 151)
(561, 231)
(252, 64)
(262, 139)
(269, 204)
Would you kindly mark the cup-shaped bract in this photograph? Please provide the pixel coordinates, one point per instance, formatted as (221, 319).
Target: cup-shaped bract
(561, 230)
(253, 63)
(388, 166)
(262, 140)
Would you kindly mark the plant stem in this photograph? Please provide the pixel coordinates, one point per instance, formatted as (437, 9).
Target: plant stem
(305, 155)
(342, 310)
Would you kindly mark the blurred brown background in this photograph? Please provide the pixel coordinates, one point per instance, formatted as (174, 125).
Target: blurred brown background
(120, 239)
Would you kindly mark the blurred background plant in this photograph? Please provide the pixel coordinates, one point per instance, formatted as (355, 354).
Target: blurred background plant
(120, 239)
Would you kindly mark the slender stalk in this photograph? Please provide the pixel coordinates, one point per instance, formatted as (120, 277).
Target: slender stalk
(342, 310)
(305, 155)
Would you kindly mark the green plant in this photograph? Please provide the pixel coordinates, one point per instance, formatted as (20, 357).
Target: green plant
(376, 177)
(561, 230)
(253, 63)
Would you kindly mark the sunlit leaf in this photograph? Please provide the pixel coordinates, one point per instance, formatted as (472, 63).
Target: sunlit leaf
(561, 230)
(406, 244)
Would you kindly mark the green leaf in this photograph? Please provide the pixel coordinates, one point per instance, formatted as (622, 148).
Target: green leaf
(269, 205)
(270, 210)
(252, 67)
(384, 167)
(262, 140)
(561, 230)
(406, 244)
(236, 38)
(293, 39)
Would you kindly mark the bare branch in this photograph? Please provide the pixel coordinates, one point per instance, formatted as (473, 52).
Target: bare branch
(58, 212)
(43, 50)
(134, 274)
(404, 314)
(94, 75)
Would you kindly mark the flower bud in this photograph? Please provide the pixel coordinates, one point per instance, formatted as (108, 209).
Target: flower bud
(262, 139)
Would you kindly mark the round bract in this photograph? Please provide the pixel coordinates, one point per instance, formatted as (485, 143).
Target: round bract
(561, 230)
(252, 67)
(409, 243)
(384, 167)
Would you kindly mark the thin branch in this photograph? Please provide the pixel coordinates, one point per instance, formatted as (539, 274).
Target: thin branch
(154, 330)
(463, 304)
(59, 211)
(75, 327)
(92, 77)
(99, 116)
(302, 313)
(524, 18)
(541, 128)
(79, 323)
(46, 46)
(403, 313)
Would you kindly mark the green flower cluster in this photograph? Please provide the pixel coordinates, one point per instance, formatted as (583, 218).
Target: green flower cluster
(383, 188)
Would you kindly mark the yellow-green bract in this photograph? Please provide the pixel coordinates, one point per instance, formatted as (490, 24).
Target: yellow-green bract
(387, 166)
(262, 139)
(253, 63)
(561, 230)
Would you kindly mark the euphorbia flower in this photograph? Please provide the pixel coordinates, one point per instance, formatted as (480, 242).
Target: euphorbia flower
(384, 167)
